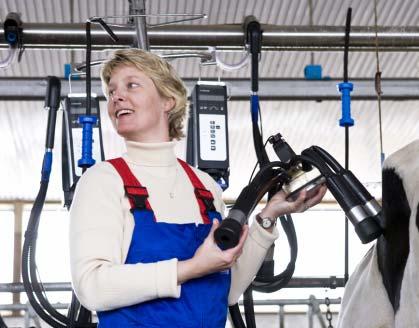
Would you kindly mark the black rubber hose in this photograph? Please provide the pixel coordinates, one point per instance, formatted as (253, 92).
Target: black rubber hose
(249, 310)
(32, 231)
(30, 235)
(85, 316)
(31, 284)
(236, 316)
(36, 285)
(312, 157)
(261, 154)
(288, 226)
(73, 310)
(272, 284)
(331, 161)
(2, 323)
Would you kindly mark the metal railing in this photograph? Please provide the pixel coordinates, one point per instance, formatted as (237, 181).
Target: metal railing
(313, 310)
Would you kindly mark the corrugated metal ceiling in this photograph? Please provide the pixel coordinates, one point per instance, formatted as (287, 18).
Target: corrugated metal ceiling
(22, 124)
(273, 64)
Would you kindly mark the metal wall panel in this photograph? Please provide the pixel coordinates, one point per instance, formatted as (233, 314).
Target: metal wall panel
(303, 124)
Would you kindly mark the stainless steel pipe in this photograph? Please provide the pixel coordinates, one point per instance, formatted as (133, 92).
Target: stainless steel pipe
(224, 37)
(49, 287)
(296, 282)
(270, 89)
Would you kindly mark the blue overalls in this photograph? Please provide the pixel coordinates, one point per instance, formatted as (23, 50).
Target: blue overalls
(203, 301)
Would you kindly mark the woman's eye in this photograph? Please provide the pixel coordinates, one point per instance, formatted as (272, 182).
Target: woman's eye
(132, 85)
(110, 93)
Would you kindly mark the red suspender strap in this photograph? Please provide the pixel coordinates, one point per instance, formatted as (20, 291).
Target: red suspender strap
(203, 196)
(136, 193)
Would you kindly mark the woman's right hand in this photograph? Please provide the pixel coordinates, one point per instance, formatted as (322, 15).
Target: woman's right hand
(209, 257)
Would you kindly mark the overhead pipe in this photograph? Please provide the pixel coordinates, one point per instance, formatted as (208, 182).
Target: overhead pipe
(224, 37)
(270, 89)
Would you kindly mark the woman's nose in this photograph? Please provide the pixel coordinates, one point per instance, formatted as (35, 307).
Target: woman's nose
(117, 95)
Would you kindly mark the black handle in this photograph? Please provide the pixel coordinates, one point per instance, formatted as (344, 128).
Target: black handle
(52, 102)
(254, 41)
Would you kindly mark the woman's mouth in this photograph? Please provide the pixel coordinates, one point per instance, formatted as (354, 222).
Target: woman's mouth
(124, 111)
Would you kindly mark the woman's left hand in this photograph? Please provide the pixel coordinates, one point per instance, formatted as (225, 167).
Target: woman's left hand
(278, 205)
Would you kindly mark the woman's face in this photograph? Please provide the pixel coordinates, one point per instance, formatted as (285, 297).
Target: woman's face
(135, 107)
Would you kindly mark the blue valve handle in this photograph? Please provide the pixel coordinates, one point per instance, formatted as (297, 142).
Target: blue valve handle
(345, 88)
(87, 121)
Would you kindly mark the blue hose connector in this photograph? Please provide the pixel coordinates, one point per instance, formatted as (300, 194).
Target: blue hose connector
(46, 166)
(11, 38)
(254, 107)
(87, 121)
(345, 88)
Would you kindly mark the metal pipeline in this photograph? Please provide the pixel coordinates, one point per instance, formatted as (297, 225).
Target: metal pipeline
(270, 89)
(223, 36)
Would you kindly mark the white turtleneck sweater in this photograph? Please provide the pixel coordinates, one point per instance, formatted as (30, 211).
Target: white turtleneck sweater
(101, 227)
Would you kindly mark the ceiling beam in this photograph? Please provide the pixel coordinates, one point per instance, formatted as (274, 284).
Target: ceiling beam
(222, 36)
(239, 89)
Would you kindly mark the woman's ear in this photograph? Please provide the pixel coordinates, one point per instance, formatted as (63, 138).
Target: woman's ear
(168, 104)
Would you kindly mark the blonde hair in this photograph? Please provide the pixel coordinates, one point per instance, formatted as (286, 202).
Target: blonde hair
(164, 77)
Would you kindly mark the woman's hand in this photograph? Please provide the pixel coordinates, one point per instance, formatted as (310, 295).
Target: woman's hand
(210, 258)
(278, 205)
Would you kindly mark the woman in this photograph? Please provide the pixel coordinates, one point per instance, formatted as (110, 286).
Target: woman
(141, 236)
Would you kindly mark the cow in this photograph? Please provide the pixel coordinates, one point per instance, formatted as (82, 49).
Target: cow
(383, 291)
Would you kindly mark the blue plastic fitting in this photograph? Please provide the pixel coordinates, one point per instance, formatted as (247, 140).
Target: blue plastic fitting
(68, 69)
(46, 166)
(254, 108)
(11, 38)
(87, 121)
(345, 88)
(313, 72)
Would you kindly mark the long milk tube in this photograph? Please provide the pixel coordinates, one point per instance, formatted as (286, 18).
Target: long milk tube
(269, 284)
(32, 287)
(366, 227)
(52, 103)
(370, 204)
(28, 252)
